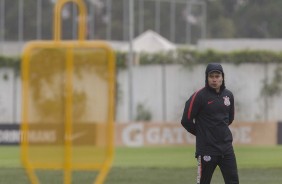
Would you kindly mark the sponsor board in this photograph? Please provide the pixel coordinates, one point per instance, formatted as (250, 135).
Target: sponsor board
(10, 134)
(144, 134)
(279, 133)
(163, 134)
(84, 134)
(141, 134)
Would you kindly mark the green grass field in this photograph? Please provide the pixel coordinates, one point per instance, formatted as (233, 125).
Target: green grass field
(165, 165)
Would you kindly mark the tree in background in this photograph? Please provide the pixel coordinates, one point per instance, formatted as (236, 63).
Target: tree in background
(220, 22)
(244, 19)
(259, 19)
(225, 19)
(29, 19)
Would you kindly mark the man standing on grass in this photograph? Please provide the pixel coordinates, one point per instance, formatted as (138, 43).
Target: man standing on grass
(207, 115)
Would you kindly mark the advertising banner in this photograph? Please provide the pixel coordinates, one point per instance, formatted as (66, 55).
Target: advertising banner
(9, 134)
(150, 134)
(165, 134)
(279, 132)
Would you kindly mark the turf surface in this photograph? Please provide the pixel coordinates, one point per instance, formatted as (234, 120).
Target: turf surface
(257, 165)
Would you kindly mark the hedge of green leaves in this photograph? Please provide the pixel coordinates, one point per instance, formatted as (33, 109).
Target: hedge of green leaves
(185, 57)
(9, 62)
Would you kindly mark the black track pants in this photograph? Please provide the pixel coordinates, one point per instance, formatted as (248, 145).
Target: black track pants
(226, 163)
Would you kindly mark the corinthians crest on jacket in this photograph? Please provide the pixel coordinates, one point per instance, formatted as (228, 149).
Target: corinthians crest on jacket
(226, 101)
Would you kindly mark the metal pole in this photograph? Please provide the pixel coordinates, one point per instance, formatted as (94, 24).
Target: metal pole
(141, 16)
(109, 16)
(157, 16)
(204, 21)
(172, 21)
(20, 18)
(265, 96)
(15, 99)
(20, 23)
(130, 58)
(125, 20)
(39, 19)
(74, 24)
(2, 25)
(92, 22)
(164, 103)
(188, 24)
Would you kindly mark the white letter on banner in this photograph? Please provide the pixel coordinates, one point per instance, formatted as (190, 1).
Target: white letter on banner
(179, 132)
(190, 139)
(153, 135)
(167, 136)
(242, 135)
(132, 135)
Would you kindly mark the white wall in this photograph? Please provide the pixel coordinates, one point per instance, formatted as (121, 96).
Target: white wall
(245, 81)
(163, 90)
(229, 45)
(9, 102)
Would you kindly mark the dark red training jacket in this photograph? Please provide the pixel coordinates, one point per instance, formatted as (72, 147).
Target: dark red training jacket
(207, 115)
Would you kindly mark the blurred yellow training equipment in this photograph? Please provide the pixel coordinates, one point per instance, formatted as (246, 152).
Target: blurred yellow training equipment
(68, 103)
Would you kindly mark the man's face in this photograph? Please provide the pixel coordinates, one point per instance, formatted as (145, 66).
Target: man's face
(215, 80)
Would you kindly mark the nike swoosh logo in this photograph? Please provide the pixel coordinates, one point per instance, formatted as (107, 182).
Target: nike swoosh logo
(210, 102)
(77, 135)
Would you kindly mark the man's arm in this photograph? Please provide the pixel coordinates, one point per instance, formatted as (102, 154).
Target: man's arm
(191, 109)
(232, 110)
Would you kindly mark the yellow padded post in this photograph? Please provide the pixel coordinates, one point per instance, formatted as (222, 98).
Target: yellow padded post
(68, 90)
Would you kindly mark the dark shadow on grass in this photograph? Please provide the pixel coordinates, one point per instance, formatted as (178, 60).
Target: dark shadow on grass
(138, 175)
